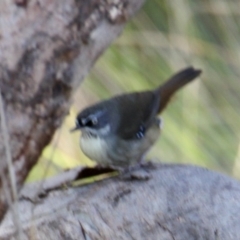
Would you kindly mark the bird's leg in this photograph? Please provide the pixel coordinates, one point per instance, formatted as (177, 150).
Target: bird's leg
(149, 164)
(135, 172)
(140, 171)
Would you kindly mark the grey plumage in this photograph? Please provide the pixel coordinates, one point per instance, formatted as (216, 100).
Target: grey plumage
(126, 126)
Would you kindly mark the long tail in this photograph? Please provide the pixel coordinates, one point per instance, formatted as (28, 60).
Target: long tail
(176, 82)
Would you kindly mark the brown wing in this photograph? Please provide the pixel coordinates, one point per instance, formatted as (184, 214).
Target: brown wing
(138, 110)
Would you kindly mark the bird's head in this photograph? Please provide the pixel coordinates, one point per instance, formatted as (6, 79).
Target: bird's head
(94, 121)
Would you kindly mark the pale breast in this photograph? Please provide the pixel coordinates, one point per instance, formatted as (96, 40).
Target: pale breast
(117, 152)
(95, 148)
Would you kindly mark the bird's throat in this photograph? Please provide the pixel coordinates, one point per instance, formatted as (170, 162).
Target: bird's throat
(95, 148)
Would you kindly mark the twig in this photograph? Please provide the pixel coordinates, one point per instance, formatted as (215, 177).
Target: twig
(13, 204)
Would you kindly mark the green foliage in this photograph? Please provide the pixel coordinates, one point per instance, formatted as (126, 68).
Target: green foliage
(202, 123)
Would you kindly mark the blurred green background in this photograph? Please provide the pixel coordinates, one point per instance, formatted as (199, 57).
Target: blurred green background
(202, 123)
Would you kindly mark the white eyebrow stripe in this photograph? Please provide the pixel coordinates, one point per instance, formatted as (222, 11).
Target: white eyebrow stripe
(95, 115)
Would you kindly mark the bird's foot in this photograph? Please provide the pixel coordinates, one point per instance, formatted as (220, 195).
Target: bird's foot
(139, 174)
(149, 165)
(135, 173)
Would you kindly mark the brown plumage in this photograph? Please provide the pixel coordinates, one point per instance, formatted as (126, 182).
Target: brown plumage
(119, 131)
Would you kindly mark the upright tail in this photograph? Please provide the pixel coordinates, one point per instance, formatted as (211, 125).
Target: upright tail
(177, 81)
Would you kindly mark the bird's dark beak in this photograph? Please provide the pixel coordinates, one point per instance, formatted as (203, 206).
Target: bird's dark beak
(74, 129)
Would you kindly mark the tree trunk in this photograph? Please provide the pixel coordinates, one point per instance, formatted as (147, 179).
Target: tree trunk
(176, 203)
(46, 49)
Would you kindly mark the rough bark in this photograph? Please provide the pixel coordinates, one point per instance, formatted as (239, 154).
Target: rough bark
(46, 49)
(177, 203)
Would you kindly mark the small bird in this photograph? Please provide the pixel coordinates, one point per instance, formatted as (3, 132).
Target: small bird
(118, 132)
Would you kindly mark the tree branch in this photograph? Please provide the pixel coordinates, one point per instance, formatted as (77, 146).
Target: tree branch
(177, 203)
(46, 49)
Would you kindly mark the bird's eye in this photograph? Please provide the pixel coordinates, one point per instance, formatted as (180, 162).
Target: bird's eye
(91, 122)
